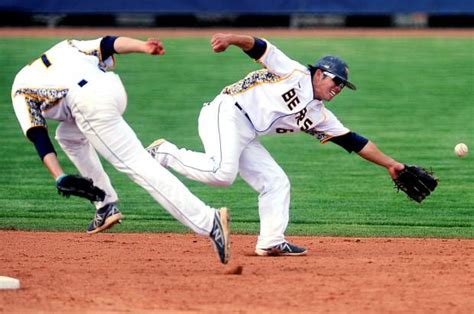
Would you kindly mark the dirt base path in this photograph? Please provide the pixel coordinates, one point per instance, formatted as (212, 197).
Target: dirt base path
(149, 273)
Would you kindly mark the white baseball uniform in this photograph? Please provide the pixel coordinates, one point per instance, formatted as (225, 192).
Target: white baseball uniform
(69, 83)
(277, 99)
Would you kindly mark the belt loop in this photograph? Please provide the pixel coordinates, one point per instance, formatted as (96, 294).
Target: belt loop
(45, 60)
(82, 83)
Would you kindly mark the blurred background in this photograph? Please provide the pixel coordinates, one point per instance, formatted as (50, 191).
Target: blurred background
(294, 14)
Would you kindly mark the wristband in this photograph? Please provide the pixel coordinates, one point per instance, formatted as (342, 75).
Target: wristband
(59, 178)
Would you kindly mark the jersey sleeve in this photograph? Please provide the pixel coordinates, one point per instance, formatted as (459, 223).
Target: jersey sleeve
(33, 123)
(28, 111)
(351, 142)
(275, 61)
(99, 48)
(327, 127)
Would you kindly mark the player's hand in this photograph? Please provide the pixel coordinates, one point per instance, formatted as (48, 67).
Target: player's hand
(395, 169)
(77, 185)
(154, 46)
(220, 42)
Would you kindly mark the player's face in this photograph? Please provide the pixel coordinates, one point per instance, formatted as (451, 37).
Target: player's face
(324, 87)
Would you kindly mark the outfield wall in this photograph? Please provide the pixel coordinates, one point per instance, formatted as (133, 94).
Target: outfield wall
(242, 6)
(246, 13)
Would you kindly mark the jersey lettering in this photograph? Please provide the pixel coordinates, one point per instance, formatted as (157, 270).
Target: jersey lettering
(291, 99)
(306, 124)
(300, 116)
(302, 121)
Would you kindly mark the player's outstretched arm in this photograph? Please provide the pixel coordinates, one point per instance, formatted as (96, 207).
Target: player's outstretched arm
(416, 182)
(371, 153)
(152, 46)
(220, 41)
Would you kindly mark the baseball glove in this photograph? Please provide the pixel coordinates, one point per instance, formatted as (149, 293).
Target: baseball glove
(416, 182)
(79, 186)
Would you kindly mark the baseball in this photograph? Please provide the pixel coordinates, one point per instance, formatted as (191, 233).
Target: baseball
(461, 150)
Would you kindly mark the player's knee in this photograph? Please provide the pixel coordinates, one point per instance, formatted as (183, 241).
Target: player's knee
(279, 182)
(224, 177)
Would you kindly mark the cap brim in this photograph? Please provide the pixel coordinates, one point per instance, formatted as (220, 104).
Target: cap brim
(346, 82)
(350, 85)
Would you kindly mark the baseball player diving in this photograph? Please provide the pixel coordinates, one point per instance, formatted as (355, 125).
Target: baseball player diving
(71, 83)
(283, 97)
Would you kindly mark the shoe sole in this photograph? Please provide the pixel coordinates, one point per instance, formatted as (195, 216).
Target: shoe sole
(156, 143)
(225, 222)
(109, 222)
(261, 252)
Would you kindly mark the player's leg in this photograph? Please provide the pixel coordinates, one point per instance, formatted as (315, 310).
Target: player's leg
(224, 132)
(85, 158)
(98, 115)
(261, 172)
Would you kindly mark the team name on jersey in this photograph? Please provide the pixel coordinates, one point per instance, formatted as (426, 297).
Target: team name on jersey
(292, 100)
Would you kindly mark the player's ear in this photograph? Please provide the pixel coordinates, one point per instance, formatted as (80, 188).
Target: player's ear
(318, 75)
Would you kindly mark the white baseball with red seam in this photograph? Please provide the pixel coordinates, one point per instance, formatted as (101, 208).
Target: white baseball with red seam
(461, 150)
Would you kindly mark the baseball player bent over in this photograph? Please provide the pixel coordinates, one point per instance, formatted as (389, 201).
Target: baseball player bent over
(284, 97)
(70, 83)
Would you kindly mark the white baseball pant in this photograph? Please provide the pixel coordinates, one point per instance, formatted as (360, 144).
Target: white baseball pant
(231, 147)
(98, 125)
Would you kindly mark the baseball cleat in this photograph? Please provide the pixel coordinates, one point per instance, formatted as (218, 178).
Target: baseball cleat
(152, 149)
(220, 234)
(282, 249)
(105, 218)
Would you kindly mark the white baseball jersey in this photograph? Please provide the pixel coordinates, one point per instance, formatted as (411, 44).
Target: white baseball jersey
(279, 99)
(46, 86)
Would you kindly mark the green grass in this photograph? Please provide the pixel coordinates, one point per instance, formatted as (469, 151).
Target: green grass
(415, 99)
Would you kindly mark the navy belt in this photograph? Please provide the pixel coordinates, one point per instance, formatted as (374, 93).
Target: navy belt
(240, 108)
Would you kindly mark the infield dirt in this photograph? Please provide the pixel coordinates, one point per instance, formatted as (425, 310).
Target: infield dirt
(180, 273)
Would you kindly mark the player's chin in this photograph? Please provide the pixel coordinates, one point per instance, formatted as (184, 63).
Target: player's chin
(329, 97)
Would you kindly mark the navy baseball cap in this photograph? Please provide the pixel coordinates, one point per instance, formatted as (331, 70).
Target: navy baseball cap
(336, 67)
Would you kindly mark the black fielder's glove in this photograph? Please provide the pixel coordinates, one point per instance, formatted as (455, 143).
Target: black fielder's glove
(79, 186)
(416, 182)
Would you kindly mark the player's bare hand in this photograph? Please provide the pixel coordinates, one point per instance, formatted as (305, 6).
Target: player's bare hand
(154, 46)
(395, 169)
(220, 42)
